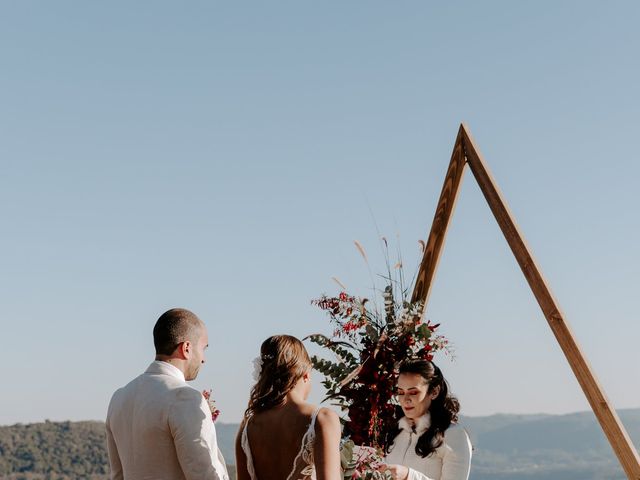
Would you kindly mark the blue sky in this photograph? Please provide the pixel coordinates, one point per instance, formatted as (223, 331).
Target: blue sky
(224, 157)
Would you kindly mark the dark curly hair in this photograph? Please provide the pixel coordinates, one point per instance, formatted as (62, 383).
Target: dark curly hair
(443, 410)
(284, 362)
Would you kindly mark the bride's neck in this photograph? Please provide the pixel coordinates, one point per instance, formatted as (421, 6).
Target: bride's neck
(296, 396)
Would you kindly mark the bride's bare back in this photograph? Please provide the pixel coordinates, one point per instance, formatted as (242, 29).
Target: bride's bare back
(284, 437)
(275, 439)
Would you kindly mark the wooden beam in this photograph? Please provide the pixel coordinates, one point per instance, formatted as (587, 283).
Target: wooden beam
(606, 415)
(433, 248)
(444, 211)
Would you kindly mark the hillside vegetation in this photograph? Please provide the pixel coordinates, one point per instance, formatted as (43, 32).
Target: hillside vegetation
(506, 447)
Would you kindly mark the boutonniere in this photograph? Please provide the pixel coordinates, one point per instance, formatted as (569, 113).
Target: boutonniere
(211, 403)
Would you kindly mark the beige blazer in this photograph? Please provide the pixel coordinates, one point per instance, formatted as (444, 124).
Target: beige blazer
(158, 427)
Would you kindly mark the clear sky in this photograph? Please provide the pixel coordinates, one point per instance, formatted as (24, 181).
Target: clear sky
(223, 156)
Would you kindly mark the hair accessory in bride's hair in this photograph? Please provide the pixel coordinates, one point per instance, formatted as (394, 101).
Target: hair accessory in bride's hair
(257, 368)
(258, 363)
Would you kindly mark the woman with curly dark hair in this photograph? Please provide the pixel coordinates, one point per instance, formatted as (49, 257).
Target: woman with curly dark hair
(427, 443)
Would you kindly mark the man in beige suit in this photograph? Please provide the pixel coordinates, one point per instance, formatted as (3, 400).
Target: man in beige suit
(158, 427)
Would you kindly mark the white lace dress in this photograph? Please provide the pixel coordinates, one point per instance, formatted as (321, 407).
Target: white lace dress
(303, 466)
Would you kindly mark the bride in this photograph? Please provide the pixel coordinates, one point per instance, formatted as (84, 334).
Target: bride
(282, 436)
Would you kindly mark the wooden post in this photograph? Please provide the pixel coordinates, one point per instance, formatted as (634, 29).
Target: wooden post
(444, 211)
(465, 151)
(606, 415)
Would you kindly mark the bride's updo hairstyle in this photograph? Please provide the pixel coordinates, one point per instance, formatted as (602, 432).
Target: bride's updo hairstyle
(443, 409)
(284, 361)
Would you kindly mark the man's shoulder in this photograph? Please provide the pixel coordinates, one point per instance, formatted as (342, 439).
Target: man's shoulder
(188, 394)
(121, 393)
(162, 388)
(159, 386)
(129, 386)
(186, 404)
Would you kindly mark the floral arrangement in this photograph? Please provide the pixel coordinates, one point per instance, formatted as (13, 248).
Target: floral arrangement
(365, 463)
(211, 403)
(368, 344)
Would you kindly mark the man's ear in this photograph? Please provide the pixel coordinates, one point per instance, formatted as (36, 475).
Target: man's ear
(185, 349)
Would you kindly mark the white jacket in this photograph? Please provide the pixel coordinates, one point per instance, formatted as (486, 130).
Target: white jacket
(158, 427)
(450, 461)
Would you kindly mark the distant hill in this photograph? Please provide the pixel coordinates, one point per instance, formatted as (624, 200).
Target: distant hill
(65, 450)
(545, 447)
(506, 447)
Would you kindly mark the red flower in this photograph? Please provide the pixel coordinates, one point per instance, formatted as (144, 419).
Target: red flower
(215, 413)
(376, 350)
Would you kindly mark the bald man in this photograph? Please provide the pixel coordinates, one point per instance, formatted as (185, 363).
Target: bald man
(158, 426)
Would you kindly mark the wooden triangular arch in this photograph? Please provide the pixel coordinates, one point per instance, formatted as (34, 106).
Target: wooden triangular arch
(465, 153)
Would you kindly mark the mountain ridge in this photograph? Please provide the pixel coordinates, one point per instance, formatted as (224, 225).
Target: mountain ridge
(506, 446)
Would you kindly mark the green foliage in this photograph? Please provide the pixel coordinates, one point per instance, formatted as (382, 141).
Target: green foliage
(57, 451)
(334, 371)
(368, 346)
(54, 450)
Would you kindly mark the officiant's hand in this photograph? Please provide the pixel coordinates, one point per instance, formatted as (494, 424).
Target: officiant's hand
(398, 472)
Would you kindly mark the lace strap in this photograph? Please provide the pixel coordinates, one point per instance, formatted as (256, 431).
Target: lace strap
(306, 448)
(244, 442)
(314, 415)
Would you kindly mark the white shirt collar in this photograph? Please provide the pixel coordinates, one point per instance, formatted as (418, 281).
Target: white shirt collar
(421, 424)
(158, 366)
